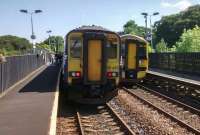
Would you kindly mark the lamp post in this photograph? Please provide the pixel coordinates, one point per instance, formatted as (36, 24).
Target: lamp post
(32, 30)
(151, 32)
(49, 31)
(145, 17)
(154, 14)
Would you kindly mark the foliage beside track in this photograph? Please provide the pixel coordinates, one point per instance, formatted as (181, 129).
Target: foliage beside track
(171, 27)
(189, 42)
(52, 42)
(173, 33)
(44, 46)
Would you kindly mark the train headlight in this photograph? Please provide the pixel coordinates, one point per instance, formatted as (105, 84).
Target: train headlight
(131, 75)
(140, 62)
(111, 74)
(114, 74)
(73, 74)
(76, 74)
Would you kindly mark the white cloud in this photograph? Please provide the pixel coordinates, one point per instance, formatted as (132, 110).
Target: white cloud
(181, 4)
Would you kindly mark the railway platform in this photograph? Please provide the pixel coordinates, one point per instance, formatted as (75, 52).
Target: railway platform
(27, 109)
(176, 76)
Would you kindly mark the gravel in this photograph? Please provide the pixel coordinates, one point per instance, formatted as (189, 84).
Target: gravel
(152, 121)
(179, 112)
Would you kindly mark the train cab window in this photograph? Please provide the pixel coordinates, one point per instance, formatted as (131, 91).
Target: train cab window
(141, 51)
(75, 47)
(112, 50)
(123, 51)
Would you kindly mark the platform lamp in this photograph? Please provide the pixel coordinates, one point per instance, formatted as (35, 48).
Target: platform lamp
(33, 37)
(145, 17)
(151, 27)
(49, 31)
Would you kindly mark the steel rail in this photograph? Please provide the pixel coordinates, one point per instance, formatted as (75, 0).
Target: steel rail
(194, 84)
(79, 123)
(192, 109)
(190, 128)
(125, 126)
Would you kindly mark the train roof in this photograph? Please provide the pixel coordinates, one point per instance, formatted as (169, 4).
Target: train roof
(92, 28)
(134, 37)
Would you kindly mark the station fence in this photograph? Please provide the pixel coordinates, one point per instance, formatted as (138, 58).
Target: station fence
(187, 63)
(17, 67)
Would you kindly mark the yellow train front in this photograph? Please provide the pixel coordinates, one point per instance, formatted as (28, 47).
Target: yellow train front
(91, 64)
(134, 58)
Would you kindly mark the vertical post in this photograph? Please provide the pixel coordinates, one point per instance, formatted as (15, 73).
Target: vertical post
(50, 41)
(168, 60)
(1, 77)
(31, 13)
(145, 26)
(151, 33)
(32, 23)
(57, 43)
(32, 31)
(49, 31)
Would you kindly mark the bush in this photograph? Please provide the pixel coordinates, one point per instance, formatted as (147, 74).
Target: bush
(150, 49)
(43, 46)
(13, 45)
(161, 46)
(189, 41)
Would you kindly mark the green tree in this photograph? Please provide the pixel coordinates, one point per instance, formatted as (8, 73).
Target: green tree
(171, 27)
(189, 41)
(43, 46)
(161, 46)
(150, 49)
(53, 42)
(12, 45)
(132, 28)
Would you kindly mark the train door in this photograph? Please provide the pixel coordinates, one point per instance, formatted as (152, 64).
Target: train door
(131, 62)
(131, 56)
(94, 60)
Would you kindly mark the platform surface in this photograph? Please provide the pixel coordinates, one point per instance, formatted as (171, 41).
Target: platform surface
(178, 76)
(27, 111)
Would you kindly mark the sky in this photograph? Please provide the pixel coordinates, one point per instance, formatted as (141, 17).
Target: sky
(61, 16)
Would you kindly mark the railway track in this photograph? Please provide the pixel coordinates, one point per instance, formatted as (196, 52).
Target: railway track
(184, 90)
(92, 120)
(68, 121)
(184, 115)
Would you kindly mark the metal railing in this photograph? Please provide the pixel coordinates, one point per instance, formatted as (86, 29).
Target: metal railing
(17, 67)
(187, 63)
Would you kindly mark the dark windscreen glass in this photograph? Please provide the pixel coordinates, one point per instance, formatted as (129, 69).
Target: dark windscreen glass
(141, 51)
(75, 47)
(112, 50)
(123, 50)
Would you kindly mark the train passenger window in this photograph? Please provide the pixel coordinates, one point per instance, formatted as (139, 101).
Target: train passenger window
(75, 47)
(112, 50)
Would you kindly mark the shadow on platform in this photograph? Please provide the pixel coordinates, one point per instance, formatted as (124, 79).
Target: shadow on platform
(44, 82)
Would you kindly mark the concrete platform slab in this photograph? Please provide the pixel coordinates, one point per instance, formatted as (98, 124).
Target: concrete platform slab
(27, 111)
